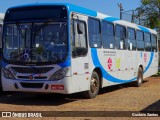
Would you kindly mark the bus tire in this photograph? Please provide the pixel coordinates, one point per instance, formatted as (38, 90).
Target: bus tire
(94, 86)
(139, 80)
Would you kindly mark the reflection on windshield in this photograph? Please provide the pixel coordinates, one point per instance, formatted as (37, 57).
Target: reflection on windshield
(39, 42)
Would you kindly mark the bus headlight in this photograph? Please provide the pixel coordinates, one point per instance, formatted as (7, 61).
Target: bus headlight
(7, 74)
(60, 74)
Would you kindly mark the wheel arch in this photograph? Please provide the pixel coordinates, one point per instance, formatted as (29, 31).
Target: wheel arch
(99, 72)
(141, 66)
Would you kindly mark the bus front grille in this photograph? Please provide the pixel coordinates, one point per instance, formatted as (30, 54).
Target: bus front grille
(31, 85)
(30, 70)
(35, 78)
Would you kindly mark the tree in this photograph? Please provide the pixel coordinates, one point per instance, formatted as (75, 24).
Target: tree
(150, 13)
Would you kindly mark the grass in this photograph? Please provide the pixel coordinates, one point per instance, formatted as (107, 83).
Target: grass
(157, 75)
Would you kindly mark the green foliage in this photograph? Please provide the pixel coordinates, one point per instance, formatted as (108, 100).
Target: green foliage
(151, 12)
(145, 2)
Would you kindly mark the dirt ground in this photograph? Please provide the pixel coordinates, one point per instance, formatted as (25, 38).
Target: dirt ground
(115, 98)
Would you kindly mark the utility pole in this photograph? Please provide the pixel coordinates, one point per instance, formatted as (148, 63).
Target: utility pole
(133, 16)
(121, 9)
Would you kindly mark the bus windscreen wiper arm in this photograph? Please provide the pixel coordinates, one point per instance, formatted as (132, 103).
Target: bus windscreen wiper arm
(42, 26)
(20, 31)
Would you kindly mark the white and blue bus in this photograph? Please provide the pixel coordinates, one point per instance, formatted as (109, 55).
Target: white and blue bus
(63, 48)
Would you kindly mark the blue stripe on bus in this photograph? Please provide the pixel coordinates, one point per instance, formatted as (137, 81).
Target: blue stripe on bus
(67, 63)
(74, 8)
(109, 77)
(144, 29)
(111, 19)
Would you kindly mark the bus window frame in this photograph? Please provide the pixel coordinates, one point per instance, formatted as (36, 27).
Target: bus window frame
(108, 35)
(146, 41)
(125, 38)
(140, 40)
(157, 47)
(131, 39)
(100, 32)
(73, 35)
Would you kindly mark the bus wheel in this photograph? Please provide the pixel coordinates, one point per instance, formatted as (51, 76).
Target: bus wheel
(139, 81)
(94, 86)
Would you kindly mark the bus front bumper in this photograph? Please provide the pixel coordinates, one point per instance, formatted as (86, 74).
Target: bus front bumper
(43, 86)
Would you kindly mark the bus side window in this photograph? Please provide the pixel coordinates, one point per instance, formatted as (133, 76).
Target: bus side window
(108, 38)
(140, 40)
(131, 39)
(120, 37)
(147, 39)
(94, 33)
(154, 43)
(79, 42)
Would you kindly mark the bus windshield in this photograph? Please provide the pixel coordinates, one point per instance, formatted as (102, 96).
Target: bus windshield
(35, 42)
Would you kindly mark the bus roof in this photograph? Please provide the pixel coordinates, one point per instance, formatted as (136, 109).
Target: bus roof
(92, 13)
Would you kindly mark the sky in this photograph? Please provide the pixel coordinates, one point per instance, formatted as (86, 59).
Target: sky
(108, 7)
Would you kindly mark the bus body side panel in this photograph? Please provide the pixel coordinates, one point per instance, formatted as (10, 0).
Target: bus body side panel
(99, 60)
(155, 63)
(122, 66)
(80, 64)
(152, 60)
(133, 67)
(147, 56)
(149, 62)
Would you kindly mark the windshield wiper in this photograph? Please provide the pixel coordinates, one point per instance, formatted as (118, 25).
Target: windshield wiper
(42, 26)
(20, 30)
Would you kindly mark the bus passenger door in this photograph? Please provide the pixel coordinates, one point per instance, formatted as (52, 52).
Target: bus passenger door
(79, 51)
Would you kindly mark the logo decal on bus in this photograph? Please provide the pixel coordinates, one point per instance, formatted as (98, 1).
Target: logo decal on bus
(145, 57)
(118, 63)
(109, 63)
(26, 54)
(31, 77)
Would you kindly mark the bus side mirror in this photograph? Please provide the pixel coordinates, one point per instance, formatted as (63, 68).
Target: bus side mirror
(80, 28)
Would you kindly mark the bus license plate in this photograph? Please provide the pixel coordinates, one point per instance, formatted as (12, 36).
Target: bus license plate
(57, 87)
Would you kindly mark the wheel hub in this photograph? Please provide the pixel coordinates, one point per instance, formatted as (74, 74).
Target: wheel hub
(140, 80)
(94, 85)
